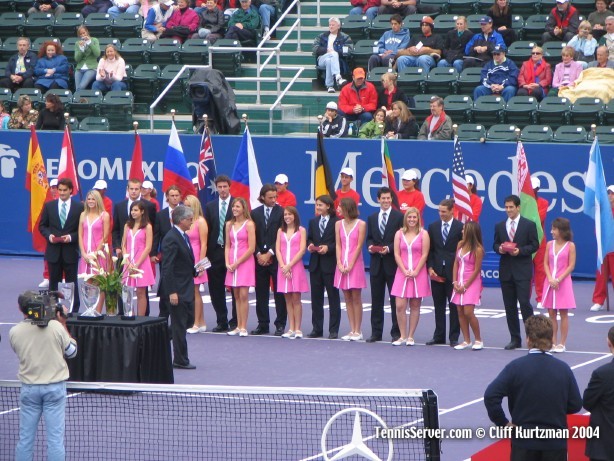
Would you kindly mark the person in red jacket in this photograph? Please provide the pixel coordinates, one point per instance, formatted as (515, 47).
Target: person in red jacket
(346, 191)
(474, 199)
(358, 100)
(535, 77)
(366, 8)
(539, 274)
(562, 24)
(411, 196)
(284, 196)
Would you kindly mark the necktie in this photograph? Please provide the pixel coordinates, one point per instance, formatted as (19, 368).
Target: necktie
(512, 230)
(445, 231)
(382, 224)
(187, 240)
(63, 214)
(220, 237)
(322, 226)
(267, 215)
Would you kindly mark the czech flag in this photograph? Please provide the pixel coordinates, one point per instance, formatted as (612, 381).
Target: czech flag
(246, 180)
(175, 167)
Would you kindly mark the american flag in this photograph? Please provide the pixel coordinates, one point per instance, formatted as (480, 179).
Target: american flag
(206, 170)
(462, 206)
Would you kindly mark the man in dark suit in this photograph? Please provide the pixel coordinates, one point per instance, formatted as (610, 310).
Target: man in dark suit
(268, 218)
(178, 282)
(381, 228)
(322, 262)
(59, 224)
(516, 241)
(599, 400)
(217, 213)
(444, 234)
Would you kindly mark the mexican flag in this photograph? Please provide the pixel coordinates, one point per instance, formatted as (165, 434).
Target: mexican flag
(528, 202)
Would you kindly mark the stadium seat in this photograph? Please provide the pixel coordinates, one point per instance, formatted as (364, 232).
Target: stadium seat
(375, 76)
(12, 24)
(68, 45)
(36, 44)
(85, 103)
(65, 25)
(9, 48)
(175, 97)
(104, 41)
(7, 6)
(458, 107)
(362, 51)
(586, 112)
(473, 21)
(99, 25)
(605, 135)
(39, 24)
(468, 80)
(227, 62)
(502, 132)
(379, 25)
(521, 110)
(525, 7)
(520, 51)
(412, 22)
(165, 51)
(441, 80)
(422, 107)
(127, 25)
(355, 26)
(459, 7)
(536, 133)
(6, 97)
(22, 6)
(35, 96)
(411, 80)
(482, 6)
(94, 124)
(136, 51)
(552, 52)
(534, 27)
(195, 51)
(445, 22)
(518, 25)
(117, 106)
(73, 123)
(545, 6)
(471, 132)
(441, 4)
(145, 86)
(488, 110)
(74, 6)
(570, 134)
(607, 114)
(553, 111)
(64, 95)
(584, 7)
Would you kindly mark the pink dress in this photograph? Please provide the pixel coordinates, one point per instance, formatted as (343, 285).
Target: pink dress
(92, 236)
(245, 274)
(563, 297)
(195, 242)
(356, 278)
(466, 266)
(135, 245)
(297, 283)
(419, 286)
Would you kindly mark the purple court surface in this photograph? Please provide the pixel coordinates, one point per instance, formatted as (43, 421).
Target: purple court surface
(457, 377)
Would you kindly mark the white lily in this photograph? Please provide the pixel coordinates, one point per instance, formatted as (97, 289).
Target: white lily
(114, 259)
(100, 253)
(106, 247)
(136, 275)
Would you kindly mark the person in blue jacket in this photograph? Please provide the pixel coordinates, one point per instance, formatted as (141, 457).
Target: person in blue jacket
(329, 49)
(51, 70)
(478, 50)
(393, 40)
(499, 76)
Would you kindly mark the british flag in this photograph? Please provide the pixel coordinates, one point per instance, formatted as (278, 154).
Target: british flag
(206, 170)
(462, 205)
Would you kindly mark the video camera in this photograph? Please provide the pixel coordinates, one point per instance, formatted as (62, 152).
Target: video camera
(43, 307)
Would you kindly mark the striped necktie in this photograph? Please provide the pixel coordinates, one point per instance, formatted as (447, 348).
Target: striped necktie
(267, 216)
(63, 214)
(220, 237)
(445, 231)
(512, 230)
(382, 224)
(323, 221)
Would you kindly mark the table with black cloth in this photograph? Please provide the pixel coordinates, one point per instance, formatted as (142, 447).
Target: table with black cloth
(116, 350)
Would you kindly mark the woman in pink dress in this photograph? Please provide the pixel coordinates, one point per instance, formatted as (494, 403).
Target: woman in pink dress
(240, 265)
(558, 294)
(350, 272)
(411, 281)
(198, 239)
(136, 245)
(291, 277)
(94, 228)
(467, 284)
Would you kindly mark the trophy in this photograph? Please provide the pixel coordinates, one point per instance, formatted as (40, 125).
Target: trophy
(128, 300)
(90, 296)
(68, 290)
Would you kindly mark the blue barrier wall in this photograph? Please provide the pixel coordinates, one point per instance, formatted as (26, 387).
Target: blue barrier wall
(561, 168)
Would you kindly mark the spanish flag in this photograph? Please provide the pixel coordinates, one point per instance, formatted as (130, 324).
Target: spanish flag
(323, 178)
(38, 186)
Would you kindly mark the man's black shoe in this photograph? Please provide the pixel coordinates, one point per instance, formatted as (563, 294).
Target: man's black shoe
(315, 334)
(333, 335)
(260, 331)
(279, 331)
(374, 339)
(432, 342)
(188, 366)
(453, 343)
(511, 346)
(220, 329)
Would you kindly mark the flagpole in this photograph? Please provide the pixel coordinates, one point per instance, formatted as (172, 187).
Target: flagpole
(455, 130)
(135, 126)
(173, 115)
(517, 133)
(244, 118)
(74, 156)
(320, 120)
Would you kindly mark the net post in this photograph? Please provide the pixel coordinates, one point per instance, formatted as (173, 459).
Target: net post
(430, 409)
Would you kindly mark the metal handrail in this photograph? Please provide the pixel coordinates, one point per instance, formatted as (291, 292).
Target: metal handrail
(283, 93)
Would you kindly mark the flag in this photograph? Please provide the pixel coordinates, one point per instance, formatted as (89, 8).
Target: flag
(462, 205)
(136, 166)
(528, 201)
(206, 170)
(246, 180)
(68, 165)
(388, 173)
(38, 186)
(323, 178)
(597, 205)
(175, 167)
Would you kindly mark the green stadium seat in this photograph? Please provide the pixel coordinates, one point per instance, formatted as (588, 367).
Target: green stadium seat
(545, 6)
(521, 110)
(441, 4)
(471, 132)
(35, 96)
(36, 44)
(227, 62)
(39, 24)
(175, 97)
(412, 22)
(73, 123)
(441, 80)
(608, 113)
(536, 133)
(468, 80)
(586, 112)
(411, 80)
(488, 110)
(22, 6)
(554, 111)
(525, 7)
(422, 108)
(6, 97)
(74, 6)
(64, 95)
(145, 86)
(570, 134)
(552, 52)
(65, 25)
(482, 6)
(195, 51)
(8, 48)
(86, 103)
(68, 45)
(605, 134)
(379, 25)
(12, 24)
(473, 21)
(518, 25)
(104, 41)
(362, 51)
(461, 7)
(584, 7)
(165, 51)
(94, 124)
(520, 51)
(355, 26)
(375, 76)
(136, 51)
(445, 22)
(99, 25)
(534, 27)
(127, 25)
(117, 106)
(7, 6)
(502, 132)
(458, 107)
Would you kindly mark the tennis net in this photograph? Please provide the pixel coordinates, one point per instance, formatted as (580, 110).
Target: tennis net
(111, 421)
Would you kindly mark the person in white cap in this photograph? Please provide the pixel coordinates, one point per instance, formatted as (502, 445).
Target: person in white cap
(539, 275)
(334, 125)
(148, 192)
(347, 176)
(156, 19)
(562, 24)
(284, 196)
(101, 187)
(411, 196)
(607, 269)
(474, 199)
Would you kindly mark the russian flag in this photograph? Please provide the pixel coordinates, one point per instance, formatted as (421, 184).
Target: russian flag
(246, 180)
(175, 167)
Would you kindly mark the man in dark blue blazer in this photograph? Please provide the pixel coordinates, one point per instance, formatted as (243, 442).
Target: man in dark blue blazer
(444, 234)
(599, 400)
(383, 266)
(59, 224)
(516, 241)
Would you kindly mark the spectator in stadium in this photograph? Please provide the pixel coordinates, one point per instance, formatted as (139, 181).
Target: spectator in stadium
(366, 8)
(96, 6)
(562, 24)
(358, 100)
(101, 187)
(411, 196)
(43, 372)
(330, 50)
(156, 19)
(584, 44)
(602, 58)
(438, 125)
(147, 193)
(347, 176)
(598, 398)
(212, 22)
(87, 51)
(393, 40)
(4, 117)
(567, 72)
(56, 7)
(266, 9)
(124, 6)
(390, 92)
(52, 116)
(52, 67)
(499, 76)
(501, 15)
(474, 199)
(478, 50)
(597, 18)
(111, 71)
(374, 128)
(284, 196)
(455, 42)
(607, 269)
(23, 115)
(541, 391)
(19, 72)
(350, 272)
(406, 7)
(333, 124)
(411, 282)
(182, 24)
(244, 23)
(539, 274)
(400, 124)
(608, 37)
(424, 49)
(535, 76)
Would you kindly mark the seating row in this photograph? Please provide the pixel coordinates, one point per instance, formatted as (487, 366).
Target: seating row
(534, 133)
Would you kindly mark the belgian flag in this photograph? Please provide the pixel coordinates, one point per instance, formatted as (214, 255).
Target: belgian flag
(323, 179)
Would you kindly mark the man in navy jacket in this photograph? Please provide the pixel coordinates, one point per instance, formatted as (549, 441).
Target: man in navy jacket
(499, 76)
(20, 68)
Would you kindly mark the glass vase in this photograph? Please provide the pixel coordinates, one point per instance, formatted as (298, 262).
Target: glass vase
(110, 302)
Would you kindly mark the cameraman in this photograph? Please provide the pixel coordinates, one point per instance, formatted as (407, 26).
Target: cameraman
(43, 373)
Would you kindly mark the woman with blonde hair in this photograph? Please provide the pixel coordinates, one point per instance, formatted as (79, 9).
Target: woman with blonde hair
(535, 76)
(401, 124)
(198, 240)
(584, 43)
(87, 50)
(390, 92)
(23, 115)
(111, 71)
(567, 72)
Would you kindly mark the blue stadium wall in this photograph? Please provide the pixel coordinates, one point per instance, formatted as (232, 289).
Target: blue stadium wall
(561, 168)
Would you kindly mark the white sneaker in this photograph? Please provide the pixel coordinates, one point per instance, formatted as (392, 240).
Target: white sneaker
(398, 342)
(477, 346)
(540, 306)
(356, 337)
(202, 329)
(462, 346)
(594, 308)
(559, 348)
(331, 89)
(410, 342)
(347, 337)
(243, 333)
(298, 334)
(193, 330)
(44, 284)
(234, 332)
(341, 81)
(288, 334)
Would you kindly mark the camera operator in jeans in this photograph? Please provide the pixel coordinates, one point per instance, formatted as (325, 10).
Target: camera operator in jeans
(43, 373)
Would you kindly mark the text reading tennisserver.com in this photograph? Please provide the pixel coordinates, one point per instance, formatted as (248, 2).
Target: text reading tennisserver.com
(494, 432)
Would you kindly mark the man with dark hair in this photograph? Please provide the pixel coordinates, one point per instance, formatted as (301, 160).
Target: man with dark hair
(423, 48)
(478, 50)
(59, 224)
(19, 71)
(268, 218)
(445, 233)
(541, 391)
(599, 400)
(397, 38)
(381, 229)
(516, 241)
